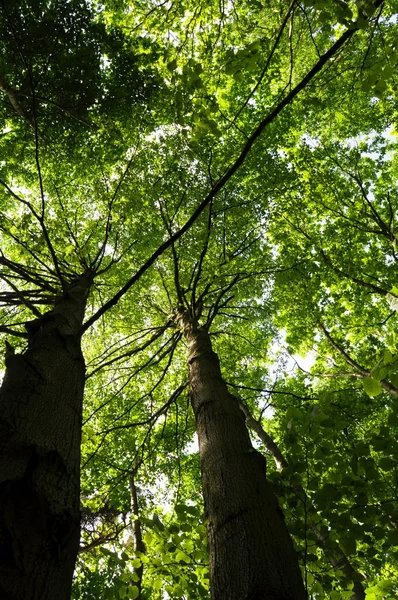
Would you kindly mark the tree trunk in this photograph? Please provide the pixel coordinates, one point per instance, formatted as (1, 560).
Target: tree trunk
(250, 551)
(40, 429)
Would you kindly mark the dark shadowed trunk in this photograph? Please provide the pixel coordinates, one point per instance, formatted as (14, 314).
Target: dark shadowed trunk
(40, 427)
(250, 551)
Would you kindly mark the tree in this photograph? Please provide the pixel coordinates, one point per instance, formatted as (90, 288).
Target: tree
(102, 185)
(249, 546)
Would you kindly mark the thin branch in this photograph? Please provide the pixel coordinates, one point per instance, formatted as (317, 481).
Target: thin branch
(132, 352)
(364, 372)
(139, 545)
(268, 391)
(8, 331)
(26, 275)
(100, 254)
(268, 61)
(217, 304)
(23, 299)
(201, 259)
(361, 370)
(176, 266)
(370, 286)
(177, 392)
(153, 360)
(41, 217)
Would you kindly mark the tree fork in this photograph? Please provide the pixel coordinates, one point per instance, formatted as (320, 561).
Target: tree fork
(40, 428)
(251, 554)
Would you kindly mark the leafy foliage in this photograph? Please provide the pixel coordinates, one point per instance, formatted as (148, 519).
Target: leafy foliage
(122, 124)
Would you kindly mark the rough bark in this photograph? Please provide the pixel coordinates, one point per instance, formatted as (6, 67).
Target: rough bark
(251, 554)
(332, 550)
(40, 427)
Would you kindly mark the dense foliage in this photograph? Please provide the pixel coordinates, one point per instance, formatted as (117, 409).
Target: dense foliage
(239, 160)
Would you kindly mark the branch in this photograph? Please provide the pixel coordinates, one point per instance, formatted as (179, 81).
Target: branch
(370, 286)
(266, 391)
(108, 225)
(23, 273)
(8, 331)
(176, 265)
(268, 61)
(13, 99)
(177, 392)
(199, 264)
(332, 551)
(38, 217)
(227, 176)
(153, 360)
(217, 304)
(346, 356)
(132, 352)
(386, 385)
(22, 298)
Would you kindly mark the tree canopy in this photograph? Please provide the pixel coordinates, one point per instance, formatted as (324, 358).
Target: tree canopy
(236, 160)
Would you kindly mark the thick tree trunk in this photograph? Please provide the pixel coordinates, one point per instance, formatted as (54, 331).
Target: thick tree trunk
(250, 551)
(40, 427)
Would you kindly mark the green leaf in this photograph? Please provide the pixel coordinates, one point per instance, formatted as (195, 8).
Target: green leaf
(182, 556)
(136, 562)
(133, 592)
(362, 449)
(172, 65)
(392, 537)
(388, 72)
(371, 386)
(388, 358)
(349, 545)
(393, 419)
